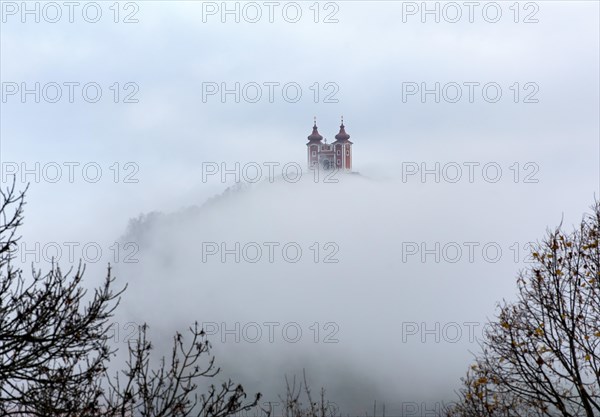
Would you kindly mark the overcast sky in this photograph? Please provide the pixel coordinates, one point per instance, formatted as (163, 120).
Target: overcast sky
(360, 59)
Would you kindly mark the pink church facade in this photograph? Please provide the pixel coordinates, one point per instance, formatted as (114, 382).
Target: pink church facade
(329, 156)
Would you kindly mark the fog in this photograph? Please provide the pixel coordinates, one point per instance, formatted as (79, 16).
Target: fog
(401, 262)
(394, 327)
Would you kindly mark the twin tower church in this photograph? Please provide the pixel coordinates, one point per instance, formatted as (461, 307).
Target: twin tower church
(336, 155)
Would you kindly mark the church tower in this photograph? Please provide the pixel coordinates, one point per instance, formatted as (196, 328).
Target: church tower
(314, 147)
(337, 155)
(343, 149)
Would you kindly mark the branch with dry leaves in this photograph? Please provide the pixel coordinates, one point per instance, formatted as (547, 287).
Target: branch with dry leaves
(542, 353)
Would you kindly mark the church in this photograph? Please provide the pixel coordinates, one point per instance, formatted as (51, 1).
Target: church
(328, 156)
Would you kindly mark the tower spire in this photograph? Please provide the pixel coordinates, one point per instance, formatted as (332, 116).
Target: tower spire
(342, 136)
(315, 136)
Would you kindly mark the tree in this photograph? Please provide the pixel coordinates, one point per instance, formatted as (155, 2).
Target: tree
(294, 407)
(55, 350)
(52, 343)
(543, 351)
(482, 396)
(171, 390)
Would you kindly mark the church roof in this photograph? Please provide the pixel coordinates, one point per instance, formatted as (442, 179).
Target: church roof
(342, 136)
(315, 136)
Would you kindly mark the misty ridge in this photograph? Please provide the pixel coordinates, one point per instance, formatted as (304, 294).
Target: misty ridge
(222, 263)
(360, 315)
